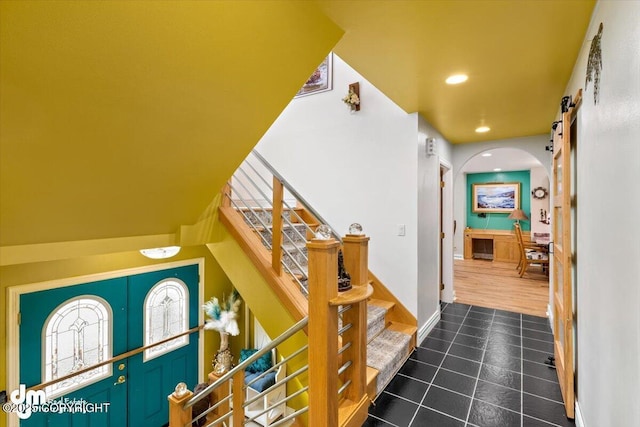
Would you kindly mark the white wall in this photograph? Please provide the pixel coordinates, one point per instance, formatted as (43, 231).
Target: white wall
(428, 224)
(539, 178)
(462, 153)
(608, 241)
(357, 167)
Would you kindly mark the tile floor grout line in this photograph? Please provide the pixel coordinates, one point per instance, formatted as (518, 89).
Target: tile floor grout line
(439, 366)
(383, 420)
(454, 355)
(496, 405)
(469, 376)
(440, 412)
(544, 421)
(475, 386)
(545, 398)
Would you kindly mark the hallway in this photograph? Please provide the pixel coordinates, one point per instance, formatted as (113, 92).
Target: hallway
(478, 367)
(497, 285)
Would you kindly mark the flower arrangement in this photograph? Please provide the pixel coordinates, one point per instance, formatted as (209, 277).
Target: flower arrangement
(222, 318)
(352, 99)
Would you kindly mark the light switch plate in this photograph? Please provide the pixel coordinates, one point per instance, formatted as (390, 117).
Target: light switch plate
(401, 230)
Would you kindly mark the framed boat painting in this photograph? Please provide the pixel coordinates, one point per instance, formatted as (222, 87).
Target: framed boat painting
(496, 198)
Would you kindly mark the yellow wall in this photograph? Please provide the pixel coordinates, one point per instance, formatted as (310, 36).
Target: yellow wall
(111, 108)
(263, 303)
(216, 283)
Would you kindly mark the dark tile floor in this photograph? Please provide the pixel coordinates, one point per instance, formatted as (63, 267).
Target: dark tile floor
(478, 367)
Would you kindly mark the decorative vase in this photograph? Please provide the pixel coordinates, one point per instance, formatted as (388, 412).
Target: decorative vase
(223, 361)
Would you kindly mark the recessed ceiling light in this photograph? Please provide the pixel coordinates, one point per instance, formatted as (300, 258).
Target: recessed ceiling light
(456, 79)
(487, 155)
(483, 129)
(497, 169)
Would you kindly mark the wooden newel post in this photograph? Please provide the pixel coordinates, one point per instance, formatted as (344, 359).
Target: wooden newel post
(355, 248)
(323, 333)
(178, 415)
(356, 258)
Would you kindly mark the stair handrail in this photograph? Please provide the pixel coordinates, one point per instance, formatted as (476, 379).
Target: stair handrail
(181, 404)
(300, 325)
(335, 373)
(250, 182)
(294, 193)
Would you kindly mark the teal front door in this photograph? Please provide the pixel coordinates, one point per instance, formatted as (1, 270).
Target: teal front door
(67, 329)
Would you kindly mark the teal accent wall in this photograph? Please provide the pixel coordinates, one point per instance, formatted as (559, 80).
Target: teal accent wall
(499, 221)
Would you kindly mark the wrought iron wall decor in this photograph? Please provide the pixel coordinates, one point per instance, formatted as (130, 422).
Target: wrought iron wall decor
(594, 65)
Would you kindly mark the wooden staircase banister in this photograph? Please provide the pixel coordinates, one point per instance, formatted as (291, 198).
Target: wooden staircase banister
(272, 233)
(325, 407)
(282, 285)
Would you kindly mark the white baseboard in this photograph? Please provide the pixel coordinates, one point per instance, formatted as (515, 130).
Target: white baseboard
(550, 316)
(427, 327)
(458, 256)
(579, 420)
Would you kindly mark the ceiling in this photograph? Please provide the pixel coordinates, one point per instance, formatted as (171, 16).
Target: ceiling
(518, 55)
(506, 159)
(124, 119)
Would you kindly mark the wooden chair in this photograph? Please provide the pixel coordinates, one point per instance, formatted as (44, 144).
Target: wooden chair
(528, 246)
(529, 254)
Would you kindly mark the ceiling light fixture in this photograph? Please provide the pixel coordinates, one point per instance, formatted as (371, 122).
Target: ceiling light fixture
(160, 253)
(487, 155)
(456, 79)
(483, 129)
(497, 169)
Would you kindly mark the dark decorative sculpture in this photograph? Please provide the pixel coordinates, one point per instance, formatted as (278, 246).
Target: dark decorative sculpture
(594, 65)
(344, 279)
(565, 103)
(554, 126)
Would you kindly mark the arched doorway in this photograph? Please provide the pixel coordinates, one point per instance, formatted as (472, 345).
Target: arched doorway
(488, 283)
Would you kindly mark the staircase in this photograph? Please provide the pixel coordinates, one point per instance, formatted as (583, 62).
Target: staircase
(389, 342)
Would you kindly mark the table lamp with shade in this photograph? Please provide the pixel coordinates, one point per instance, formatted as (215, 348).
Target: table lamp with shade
(518, 214)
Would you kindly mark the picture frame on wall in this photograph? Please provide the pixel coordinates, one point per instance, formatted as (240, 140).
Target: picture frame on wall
(495, 197)
(320, 81)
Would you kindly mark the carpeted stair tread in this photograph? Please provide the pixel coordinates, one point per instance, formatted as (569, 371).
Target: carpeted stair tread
(375, 321)
(386, 353)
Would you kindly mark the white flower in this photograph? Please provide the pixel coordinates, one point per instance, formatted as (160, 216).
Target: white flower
(351, 98)
(223, 320)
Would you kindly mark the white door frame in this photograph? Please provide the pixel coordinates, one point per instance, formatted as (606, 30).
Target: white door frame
(448, 293)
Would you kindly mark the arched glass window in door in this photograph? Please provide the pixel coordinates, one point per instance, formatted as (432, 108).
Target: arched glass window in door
(166, 311)
(77, 335)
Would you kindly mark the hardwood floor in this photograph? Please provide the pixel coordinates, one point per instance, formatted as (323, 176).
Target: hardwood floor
(497, 285)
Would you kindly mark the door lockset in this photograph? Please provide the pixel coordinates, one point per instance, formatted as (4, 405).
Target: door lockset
(121, 379)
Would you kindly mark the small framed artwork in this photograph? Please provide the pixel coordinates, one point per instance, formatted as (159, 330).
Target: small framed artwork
(320, 81)
(496, 198)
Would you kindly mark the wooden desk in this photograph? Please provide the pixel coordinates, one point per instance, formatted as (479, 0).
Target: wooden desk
(503, 243)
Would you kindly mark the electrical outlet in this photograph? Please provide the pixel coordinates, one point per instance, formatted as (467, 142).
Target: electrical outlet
(401, 230)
